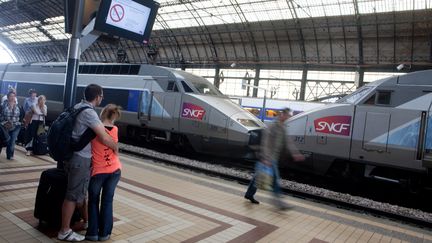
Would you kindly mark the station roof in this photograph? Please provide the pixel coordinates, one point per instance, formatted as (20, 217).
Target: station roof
(273, 33)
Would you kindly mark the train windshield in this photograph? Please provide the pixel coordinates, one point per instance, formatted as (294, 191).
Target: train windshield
(201, 85)
(357, 95)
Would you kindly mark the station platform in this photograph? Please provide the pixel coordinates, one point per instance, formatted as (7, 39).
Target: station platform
(158, 203)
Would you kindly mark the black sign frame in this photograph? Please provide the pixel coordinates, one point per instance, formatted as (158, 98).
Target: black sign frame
(103, 14)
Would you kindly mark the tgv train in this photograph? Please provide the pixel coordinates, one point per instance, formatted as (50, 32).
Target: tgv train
(159, 103)
(383, 130)
(269, 110)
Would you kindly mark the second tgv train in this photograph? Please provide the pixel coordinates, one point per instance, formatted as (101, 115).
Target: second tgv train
(383, 130)
(159, 103)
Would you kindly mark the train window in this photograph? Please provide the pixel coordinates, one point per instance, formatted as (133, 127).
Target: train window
(85, 69)
(255, 111)
(186, 87)
(99, 69)
(271, 113)
(248, 123)
(124, 69)
(355, 96)
(115, 69)
(172, 86)
(202, 85)
(370, 101)
(383, 98)
(107, 69)
(92, 69)
(134, 69)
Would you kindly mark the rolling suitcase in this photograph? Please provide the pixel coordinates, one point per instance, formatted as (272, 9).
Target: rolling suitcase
(50, 196)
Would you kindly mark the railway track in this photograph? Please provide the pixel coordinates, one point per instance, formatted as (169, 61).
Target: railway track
(299, 190)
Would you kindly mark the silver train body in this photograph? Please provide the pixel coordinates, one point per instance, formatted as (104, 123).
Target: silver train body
(159, 103)
(383, 130)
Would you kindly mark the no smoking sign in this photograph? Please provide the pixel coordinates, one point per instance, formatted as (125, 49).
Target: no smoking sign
(117, 13)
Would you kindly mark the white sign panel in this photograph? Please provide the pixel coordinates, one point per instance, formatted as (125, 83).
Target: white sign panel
(128, 15)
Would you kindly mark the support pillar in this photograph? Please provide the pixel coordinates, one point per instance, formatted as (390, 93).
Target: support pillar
(256, 81)
(303, 84)
(216, 81)
(359, 76)
(74, 53)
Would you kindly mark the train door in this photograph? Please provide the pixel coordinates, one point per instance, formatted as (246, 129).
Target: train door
(144, 112)
(217, 132)
(157, 109)
(151, 107)
(385, 134)
(171, 106)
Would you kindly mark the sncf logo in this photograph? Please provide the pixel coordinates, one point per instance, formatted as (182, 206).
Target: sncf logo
(192, 111)
(339, 125)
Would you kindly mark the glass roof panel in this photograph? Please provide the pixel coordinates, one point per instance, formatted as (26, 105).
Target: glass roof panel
(178, 14)
(266, 10)
(380, 6)
(320, 8)
(55, 28)
(27, 35)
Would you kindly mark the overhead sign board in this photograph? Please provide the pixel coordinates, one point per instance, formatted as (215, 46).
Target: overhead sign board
(90, 8)
(130, 19)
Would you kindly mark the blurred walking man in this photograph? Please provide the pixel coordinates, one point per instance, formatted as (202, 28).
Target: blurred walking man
(273, 143)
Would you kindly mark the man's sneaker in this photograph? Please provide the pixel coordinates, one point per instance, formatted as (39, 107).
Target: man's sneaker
(70, 236)
(28, 153)
(252, 200)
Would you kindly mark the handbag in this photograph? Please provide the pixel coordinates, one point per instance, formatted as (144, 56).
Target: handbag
(41, 129)
(4, 136)
(263, 176)
(27, 118)
(8, 125)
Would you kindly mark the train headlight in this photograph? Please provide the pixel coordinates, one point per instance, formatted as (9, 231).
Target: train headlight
(247, 122)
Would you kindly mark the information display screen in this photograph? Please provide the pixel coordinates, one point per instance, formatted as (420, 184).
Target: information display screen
(130, 19)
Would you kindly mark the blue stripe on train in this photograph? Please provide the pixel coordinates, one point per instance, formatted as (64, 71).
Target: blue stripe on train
(133, 100)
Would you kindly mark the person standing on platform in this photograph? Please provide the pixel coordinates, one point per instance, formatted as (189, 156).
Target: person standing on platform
(39, 112)
(30, 101)
(106, 172)
(10, 120)
(79, 166)
(273, 144)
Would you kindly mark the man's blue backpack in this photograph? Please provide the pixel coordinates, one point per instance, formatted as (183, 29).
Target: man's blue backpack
(60, 134)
